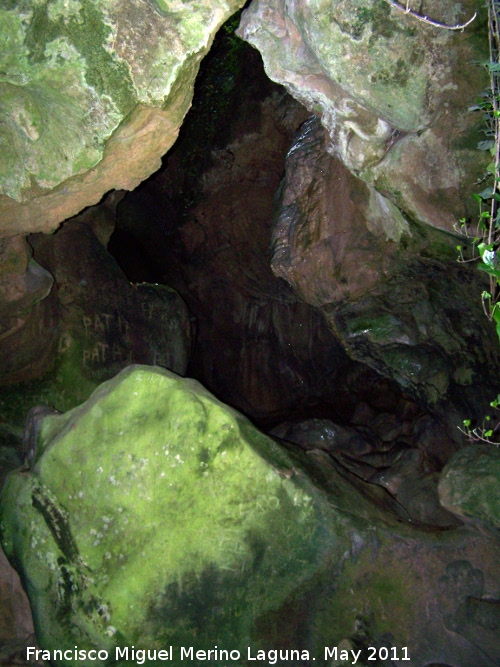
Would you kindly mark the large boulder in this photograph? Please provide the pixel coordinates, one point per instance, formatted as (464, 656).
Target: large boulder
(392, 91)
(93, 94)
(154, 516)
(158, 516)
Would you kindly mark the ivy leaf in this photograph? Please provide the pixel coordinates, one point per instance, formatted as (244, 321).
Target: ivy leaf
(483, 247)
(492, 272)
(487, 193)
(490, 258)
(486, 145)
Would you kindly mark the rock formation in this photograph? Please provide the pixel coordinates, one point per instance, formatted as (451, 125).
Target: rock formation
(154, 516)
(392, 92)
(317, 290)
(93, 94)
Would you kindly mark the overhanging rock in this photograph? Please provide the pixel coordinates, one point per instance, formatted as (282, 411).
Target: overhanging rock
(93, 93)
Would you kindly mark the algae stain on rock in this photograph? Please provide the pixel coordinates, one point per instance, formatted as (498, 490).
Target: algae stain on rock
(164, 492)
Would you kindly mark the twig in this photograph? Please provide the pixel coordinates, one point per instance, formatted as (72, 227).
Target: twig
(425, 19)
(494, 40)
(474, 436)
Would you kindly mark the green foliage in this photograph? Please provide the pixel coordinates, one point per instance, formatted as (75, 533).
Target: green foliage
(487, 431)
(484, 241)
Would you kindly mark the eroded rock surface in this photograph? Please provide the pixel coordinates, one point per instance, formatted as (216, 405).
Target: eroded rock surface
(203, 224)
(27, 331)
(93, 94)
(403, 463)
(390, 289)
(470, 483)
(97, 323)
(154, 516)
(392, 92)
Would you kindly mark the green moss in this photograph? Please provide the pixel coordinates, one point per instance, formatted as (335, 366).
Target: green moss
(382, 23)
(377, 328)
(154, 500)
(55, 71)
(62, 388)
(13, 54)
(397, 75)
(88, 33)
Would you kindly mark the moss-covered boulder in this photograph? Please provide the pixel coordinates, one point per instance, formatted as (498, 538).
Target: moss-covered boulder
(92, 95)
(470, 483)
(155, 515)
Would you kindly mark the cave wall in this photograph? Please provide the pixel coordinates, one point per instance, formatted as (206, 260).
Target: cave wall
(392, 91)
(315, 263)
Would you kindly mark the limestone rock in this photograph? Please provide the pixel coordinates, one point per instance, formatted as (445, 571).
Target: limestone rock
(25, 313)
(93, 324)
(398, 467)
(15, 613)
(392, 92)
(202, 225)
(154, 516)
(390, 289)
(107, 322)
(331, 227)
(470, 483)
(155, 520)
(93, 94)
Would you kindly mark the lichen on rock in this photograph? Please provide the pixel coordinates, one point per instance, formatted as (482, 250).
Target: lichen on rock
(149, 497)
(73, 75)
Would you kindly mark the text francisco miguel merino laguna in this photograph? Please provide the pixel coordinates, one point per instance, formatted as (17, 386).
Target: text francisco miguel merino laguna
(140, 656)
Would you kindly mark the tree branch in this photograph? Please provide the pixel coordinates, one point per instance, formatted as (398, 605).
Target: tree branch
(425, 19)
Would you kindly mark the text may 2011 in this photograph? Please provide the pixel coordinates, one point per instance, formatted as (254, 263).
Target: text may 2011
(189, 653)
